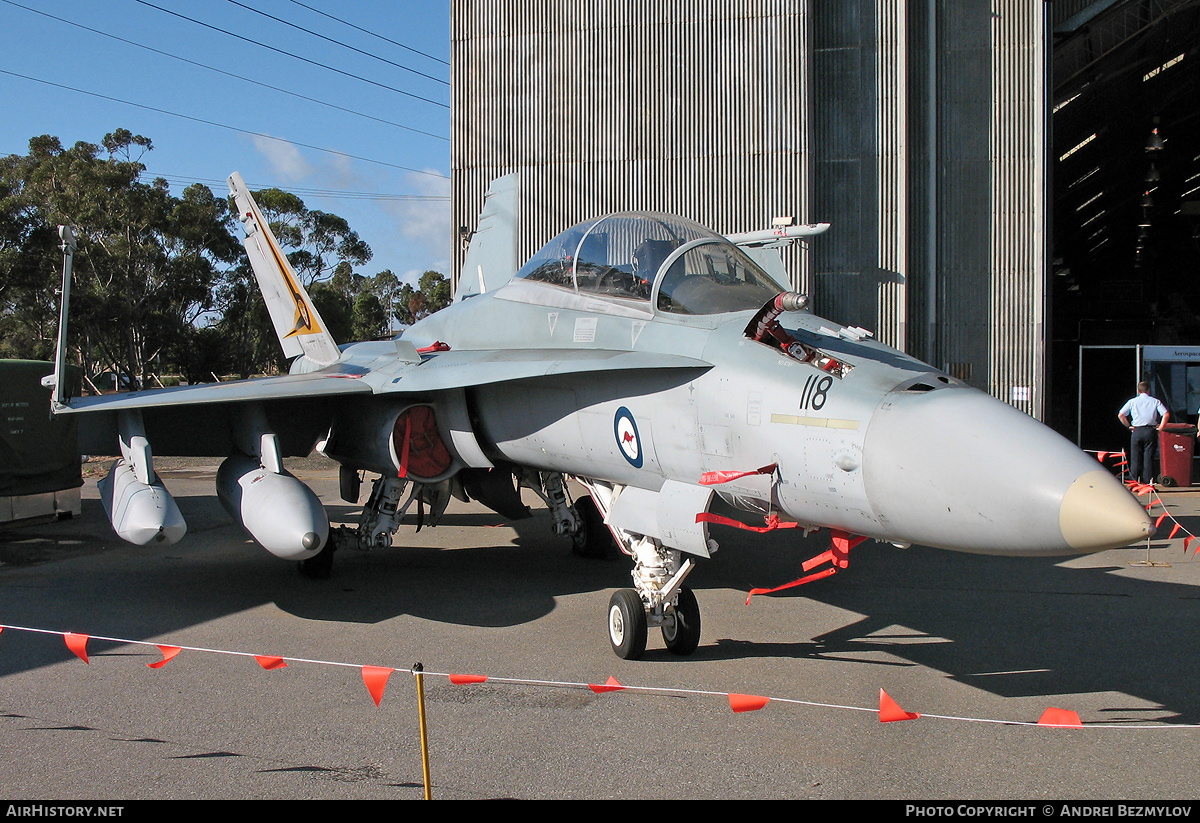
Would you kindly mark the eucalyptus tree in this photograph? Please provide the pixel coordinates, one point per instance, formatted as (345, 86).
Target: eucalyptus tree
(146, 263)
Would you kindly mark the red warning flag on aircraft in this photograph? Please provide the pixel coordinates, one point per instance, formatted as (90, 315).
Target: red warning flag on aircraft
(1060, 717)
(463, 679)
(375, 679)
(268, 662)
(772, 520)
(890, 711)
(716, 478)
(77, 643)
(747, 702)
(404, 448)
(810, 578)
(168, 652)
(843, 542)
(610, 685)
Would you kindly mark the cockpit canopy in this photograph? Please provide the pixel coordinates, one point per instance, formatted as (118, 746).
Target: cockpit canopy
(682, 267)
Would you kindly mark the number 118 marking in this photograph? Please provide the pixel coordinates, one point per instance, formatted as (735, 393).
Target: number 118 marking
(815, 392)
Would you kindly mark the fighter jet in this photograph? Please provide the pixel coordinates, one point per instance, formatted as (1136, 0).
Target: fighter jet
(657, 363)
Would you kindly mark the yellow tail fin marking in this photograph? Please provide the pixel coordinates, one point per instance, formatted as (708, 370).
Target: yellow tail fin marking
(304, 322)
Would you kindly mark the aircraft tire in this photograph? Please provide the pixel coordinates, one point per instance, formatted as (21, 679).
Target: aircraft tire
(682, 635)
(593, 540)
(627, 624)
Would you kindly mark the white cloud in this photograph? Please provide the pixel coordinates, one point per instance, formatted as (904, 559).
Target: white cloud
(284, 157)
(426, 222)
(405, 235)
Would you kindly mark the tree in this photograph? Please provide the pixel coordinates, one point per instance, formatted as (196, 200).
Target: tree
(432, 294)
(159, 279)
(146, 261)
(370, 317)
(322, 249)
(319, 242)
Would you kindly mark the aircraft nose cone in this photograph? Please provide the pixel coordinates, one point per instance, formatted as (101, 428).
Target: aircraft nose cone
(1096, 513)
(958, 469)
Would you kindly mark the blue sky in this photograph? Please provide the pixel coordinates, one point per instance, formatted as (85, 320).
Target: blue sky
(363, 181)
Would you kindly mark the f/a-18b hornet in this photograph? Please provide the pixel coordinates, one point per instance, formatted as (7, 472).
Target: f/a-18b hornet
(655, 362)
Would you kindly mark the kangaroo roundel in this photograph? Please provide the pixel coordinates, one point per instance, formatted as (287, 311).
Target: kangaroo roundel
(628, 439)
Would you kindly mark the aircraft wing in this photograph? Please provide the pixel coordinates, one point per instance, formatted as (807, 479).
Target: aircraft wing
(283, 387)
(447, 370)
(199, 420)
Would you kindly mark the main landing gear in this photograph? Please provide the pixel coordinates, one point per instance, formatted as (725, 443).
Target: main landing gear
(658, 600)
(389, 501)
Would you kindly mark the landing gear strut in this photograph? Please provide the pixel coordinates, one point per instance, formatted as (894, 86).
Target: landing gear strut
(658, 599)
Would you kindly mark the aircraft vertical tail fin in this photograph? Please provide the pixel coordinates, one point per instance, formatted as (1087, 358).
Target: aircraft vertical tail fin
(297, 323)
(491, 259)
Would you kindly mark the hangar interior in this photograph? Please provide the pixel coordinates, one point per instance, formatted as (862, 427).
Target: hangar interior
(939, 137)
(1126, 191)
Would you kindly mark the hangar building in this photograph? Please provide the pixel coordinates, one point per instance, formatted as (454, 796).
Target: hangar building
(923, 130)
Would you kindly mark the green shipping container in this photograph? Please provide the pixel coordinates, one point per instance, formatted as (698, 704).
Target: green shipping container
(39, 456)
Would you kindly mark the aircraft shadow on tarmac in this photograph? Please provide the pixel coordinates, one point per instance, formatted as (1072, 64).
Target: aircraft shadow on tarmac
(1013, 627)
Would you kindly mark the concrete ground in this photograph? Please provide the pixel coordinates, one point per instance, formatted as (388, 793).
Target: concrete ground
(962, 639)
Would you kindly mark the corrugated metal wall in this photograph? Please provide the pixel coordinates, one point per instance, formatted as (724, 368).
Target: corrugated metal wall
(915, 126)
(695, 109)
(1017, 151)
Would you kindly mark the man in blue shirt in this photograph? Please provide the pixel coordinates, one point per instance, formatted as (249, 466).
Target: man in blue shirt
(1144, 416)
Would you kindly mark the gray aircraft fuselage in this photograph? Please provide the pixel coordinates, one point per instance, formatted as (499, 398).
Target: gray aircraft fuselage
(894, 450)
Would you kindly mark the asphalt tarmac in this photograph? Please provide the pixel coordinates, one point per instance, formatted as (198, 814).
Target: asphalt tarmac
(979, 646)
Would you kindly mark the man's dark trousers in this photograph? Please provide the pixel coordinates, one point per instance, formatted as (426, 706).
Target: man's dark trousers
(1142, 453)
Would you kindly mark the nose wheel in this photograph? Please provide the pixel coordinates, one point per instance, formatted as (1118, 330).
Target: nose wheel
(629, 622)
(681, 624)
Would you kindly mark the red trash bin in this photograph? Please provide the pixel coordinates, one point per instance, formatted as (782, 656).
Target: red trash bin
(1176, 443)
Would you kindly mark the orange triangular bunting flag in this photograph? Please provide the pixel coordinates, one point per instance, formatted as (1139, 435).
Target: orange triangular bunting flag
(610, 685)
(1102, 456)
(375, 679)
(890, 711)
(1186, 541)
(747, 702)
(464, 679)
(168, 652)
(1175, 530)
(270, 662)
(1060, 717)
(77, 643)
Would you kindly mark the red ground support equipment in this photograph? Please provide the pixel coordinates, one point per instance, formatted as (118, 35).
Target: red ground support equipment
(1176, 443)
